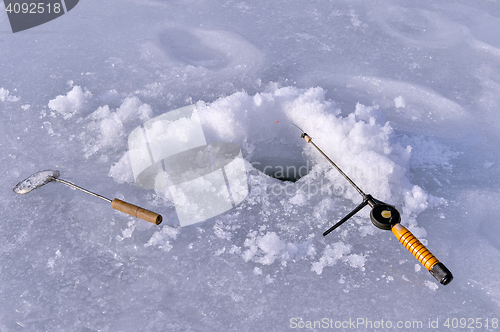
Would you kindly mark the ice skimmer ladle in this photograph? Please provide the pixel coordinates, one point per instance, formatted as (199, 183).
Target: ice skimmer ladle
(43, 177)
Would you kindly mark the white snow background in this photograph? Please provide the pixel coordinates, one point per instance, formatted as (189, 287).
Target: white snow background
(403, 95)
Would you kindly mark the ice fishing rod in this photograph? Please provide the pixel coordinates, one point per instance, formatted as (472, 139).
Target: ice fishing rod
(387, 217)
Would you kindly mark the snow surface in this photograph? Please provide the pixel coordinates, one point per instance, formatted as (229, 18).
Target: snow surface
(404, 96)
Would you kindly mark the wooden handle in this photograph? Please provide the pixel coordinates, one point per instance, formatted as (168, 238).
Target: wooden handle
(136, 211)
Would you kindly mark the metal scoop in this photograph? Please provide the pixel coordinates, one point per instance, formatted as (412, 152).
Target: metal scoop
(43, 177)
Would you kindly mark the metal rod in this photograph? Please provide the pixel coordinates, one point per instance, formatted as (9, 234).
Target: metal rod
(338, 169)
(84, 190)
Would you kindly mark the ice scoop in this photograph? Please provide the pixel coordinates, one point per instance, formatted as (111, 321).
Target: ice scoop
(43, 177)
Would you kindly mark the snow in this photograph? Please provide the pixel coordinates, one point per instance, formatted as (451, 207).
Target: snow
(402, 96)
(399, 102)
(5, 95)
(71, 103)
(330, 256)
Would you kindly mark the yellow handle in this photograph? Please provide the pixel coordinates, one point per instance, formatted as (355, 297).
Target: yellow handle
(422, 254)
(417, 249)
(136, 211)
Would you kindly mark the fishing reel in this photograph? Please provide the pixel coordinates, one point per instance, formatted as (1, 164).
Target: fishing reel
(382, 215)
(387, 217)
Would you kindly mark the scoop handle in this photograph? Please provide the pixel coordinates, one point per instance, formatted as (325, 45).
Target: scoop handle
(422, 254)
(136, 211)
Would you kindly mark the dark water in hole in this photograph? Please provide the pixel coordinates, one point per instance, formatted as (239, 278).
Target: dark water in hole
(282, 169)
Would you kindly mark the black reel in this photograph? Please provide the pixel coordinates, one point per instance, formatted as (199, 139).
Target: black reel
(384, 216)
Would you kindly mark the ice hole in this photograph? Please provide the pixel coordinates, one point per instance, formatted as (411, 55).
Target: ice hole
(285, 163)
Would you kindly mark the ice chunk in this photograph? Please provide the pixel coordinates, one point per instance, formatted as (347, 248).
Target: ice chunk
(162, 238)
(330, 256)
(101, 113)
(416, 200)
(70, 104)
(132, 108)
(121, 171)
(431, 285)
(111, 128)
(399, 102)
(5, 95)
(357, 261)
(111, 125)
(271, 245)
